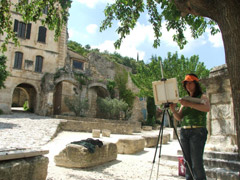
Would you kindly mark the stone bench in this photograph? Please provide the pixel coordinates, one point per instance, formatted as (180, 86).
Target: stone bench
(78, 156)
(151, 140)
(130, 145)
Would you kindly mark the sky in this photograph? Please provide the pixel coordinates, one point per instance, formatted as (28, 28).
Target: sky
(85, 21)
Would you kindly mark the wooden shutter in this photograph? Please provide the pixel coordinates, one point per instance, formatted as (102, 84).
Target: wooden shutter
(42, 34)
(18, 60)
(15, 29)
(29, 26)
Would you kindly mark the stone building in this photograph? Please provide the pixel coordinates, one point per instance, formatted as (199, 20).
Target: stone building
(43, 72)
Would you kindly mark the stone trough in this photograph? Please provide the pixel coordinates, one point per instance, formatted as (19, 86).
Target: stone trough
(78, 156)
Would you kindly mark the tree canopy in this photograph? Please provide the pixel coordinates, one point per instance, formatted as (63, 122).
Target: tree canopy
(159, 11)
(173, 67)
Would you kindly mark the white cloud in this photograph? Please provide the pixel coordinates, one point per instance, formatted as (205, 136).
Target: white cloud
(93, 3)
(91, 28)
(73, 33)
(138, 36)
(216, 39)
(167, 39)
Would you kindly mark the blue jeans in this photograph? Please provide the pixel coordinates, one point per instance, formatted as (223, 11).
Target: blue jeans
(193, 142)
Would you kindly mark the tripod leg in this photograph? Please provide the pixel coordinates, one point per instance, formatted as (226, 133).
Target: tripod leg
(184, 154)
(159, 135)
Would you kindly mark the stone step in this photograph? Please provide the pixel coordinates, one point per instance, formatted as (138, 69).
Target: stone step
(222, 155)
(229, 161)
(221, 163)
(222, 174)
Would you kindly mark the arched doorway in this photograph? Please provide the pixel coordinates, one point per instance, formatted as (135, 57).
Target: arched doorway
(93, 93)
(63, 89)
(24, 98)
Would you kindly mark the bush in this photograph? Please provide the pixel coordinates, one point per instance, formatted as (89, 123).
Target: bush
(112, 108)
(77, 105)
(1, 111)
(25, 106)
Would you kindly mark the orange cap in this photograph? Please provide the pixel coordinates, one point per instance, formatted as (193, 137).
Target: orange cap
(190, 78)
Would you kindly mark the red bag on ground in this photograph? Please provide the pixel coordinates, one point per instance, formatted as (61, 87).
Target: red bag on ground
(181, 167)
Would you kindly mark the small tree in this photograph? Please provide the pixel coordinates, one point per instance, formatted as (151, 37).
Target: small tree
(112, 108)
(77, 105)
(3, 72)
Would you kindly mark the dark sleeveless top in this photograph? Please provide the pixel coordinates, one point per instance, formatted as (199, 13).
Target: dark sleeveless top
(193, 117)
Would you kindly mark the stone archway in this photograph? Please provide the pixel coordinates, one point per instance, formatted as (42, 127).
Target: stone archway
(93, 93)
(63, 89)
(24, 93)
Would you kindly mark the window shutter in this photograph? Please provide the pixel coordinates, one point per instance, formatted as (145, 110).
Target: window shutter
(18, 60)
(38, 64)
(20, 56)
(42, 34)
(15, 29)
(29, 26)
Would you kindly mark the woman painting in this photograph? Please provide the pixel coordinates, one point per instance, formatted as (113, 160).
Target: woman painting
(193, 134)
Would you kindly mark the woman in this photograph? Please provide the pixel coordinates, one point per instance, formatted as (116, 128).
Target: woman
(193, 134)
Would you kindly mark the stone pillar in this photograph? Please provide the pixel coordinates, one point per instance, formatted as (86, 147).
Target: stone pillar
(220, 121)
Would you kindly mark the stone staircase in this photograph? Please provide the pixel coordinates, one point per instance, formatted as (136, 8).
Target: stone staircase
(218, 165)
(222, 165)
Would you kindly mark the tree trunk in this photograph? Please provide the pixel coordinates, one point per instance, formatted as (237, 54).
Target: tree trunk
(227, 15)
(229, 24)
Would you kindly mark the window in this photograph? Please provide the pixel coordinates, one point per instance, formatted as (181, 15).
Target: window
(77, 64)
(22, 29)
(18, 60)
(42, 34)
(38, 64)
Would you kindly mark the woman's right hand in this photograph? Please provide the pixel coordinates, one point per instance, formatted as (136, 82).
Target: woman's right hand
(172, 107)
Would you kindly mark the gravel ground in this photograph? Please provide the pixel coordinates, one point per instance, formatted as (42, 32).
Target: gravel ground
(22, 130)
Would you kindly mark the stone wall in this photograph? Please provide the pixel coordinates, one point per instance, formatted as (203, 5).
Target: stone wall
(84, 124)
(220, 122)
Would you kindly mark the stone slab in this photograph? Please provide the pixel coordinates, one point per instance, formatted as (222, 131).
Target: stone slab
(32, 168)
(78, 156)
(130, 145)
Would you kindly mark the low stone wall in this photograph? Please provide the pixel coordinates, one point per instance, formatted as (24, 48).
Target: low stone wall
(34, 168)
(83, 124)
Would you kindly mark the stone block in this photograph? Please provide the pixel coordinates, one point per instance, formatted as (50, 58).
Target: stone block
(96, 133)
(147, 128)
(34, 168)
(150, 140)
(78, 156)
(106, 133)
(222, 111)
(130, 145)
(221, 98)
(165, 139)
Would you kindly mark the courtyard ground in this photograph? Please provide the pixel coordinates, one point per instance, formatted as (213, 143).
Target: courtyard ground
(24, 130)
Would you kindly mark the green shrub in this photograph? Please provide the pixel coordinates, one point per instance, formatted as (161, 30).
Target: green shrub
(112, 108)
(1, 111)
(25, 106)
(77, 105)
